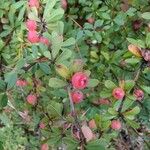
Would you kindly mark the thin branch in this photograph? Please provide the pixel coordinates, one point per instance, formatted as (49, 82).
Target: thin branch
(47, 115)
(121, 105)
(75, 22)
(136, 132)
(83, 141)
(71, 101)
(139, 72)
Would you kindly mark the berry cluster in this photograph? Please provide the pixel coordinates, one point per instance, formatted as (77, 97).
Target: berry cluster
(79, 81)
(33, 36)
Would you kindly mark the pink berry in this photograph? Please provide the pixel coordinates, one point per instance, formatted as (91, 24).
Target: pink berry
(31, 25)
(118, 93)
(116, 124)
(21, 83)
(104, 101)
(32, 99)
(33, 37)
(139, 94)
(77, 96)
(92, 124)
(44, 147)
(91, 20)
(64, 4)
(42, 125)
(34, 3)
(79, 80)
(44, 41)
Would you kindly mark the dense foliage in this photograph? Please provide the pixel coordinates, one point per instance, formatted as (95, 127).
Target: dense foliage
(74, 75)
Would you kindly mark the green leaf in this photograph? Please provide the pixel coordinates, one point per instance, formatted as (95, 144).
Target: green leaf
(88, 26)
(56, 83)
(88, 33)
(48, 8)
(131, 11)
(112, 111)
(2, 85)
(21, 13)
(33, 15)
(120, 18)
(47, 54)
(146, 15)
(127, 104)
(1, 146)
(64, 55)
(56, 43)
(105, 125)
(20, 63)
(55, 15)
(60, 27)
(98, 23)
(117, 105)
(3, 100)
(105, 94)
(109, 84)
(45, 68)
(106, 55)
(146, 88)
(18, 4)
(129, 84)
(148, 39)
(11, 79)
(105, 15)
(131, 113)
(95, 145)
(133, 124)
(1, 44)
(54, 138)
(55, 109)
(69, 42)
(132, 61)
(80, 34)
(93, 83)
(71, 143)
(137, 42)
(98, 37)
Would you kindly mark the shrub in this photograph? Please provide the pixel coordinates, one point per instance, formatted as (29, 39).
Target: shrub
(74, 75)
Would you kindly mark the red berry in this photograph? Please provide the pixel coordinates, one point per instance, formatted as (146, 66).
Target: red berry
(104, 101)
(34, 3)
(32, 99)
(42, 125)
(33, 37)
(79, 80)
(116, 124)
(44, 147)
(44, 41)
(31, 25)
(139, 94)
(77, 96)
(91, 20)
(118, 93)
(21, 83)
(64, 4)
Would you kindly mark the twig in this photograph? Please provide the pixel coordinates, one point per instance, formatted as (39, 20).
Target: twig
(138, 72)
(83, 141)
(47, 115)
(71, 102)
(136, 132)
(78, 51)
(121, 105)
(75, 22)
